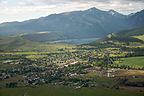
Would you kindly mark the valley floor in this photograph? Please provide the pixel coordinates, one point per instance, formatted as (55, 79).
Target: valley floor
(107, 68)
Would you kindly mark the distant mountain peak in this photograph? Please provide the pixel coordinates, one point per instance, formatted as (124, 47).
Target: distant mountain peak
(93, 9)
(115, 13)
(140, 12)
(131, 14)
(112, 12)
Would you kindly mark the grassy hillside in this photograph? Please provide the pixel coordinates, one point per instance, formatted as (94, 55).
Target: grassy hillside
(21, 44)
(131, 32)
(122, 38)
(45, 36)
(66, 91)
(132, 35)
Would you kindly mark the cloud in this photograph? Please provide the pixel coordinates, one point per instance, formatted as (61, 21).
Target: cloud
(103, 1)
(134, 0)
(3, 1)
(123, 6)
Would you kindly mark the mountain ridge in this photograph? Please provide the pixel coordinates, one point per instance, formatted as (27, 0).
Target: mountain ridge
(76, 24)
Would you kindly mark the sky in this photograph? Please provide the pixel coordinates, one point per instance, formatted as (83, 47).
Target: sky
(20, 10)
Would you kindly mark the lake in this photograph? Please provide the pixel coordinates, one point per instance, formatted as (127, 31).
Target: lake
(76, 41)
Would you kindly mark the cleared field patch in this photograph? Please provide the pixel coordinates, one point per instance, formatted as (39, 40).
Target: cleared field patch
(141, 37)
(125, 73)
(34, 57)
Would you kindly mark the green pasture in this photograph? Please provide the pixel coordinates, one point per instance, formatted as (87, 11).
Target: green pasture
(133, 61)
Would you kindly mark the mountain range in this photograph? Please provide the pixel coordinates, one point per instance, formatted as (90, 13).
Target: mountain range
(90, 23)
